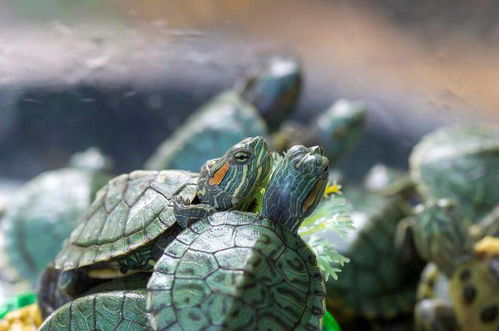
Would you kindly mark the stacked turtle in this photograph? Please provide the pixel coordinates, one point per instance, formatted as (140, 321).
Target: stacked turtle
(228, 268)
(379, 282)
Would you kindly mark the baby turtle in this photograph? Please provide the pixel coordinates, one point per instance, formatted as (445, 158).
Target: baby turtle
(47, 209)
(117, 304)
(461, 164)
(110, 310)
(380, 280)
(338, 129)
(237, 270)
(232, 116)
(273, 87)
(132, 219)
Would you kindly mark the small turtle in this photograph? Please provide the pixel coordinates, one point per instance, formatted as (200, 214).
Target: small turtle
(46, 210)
(119, 303)
(380, 280)
(273, 87)
(231, 116)
(133, 218)
(237, 270)
(461, 164)
(338, 129)
(460, 287)
(109, 310)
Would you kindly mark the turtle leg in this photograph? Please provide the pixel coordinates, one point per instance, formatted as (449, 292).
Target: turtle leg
(404, 240)
(435, 315)
(187, 214)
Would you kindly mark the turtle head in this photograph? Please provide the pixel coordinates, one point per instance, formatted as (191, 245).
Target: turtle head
(92, 160)
(273, 88)
(296, 187)
(340, 127)
(441, 235)
(233, 180)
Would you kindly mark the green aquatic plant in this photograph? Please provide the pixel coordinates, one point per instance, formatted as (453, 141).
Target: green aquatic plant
(331, 215)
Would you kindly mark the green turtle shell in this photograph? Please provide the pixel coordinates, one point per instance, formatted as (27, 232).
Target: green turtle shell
(378, 281)
(113, 310)
(131, 211)
(208, 133)
(42, 215)
(235, 270)
(461, 164)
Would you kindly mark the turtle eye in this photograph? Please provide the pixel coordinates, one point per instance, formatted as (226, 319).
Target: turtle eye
(241, 157)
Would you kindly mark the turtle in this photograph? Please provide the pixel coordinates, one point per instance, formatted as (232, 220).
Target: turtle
(108, 310)
(379, 282)
(337, 129)
(459, 163)
(133, 218)
(460, 286)
(273, 87)
(240, 270)
(119, 303)
(46, 209)
(231, 116)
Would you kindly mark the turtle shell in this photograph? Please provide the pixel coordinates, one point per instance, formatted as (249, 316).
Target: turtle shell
(234, 270)
(114, 310)
(461, 164)
(474, 288)
(378, 282)
(42, 215)
(129, 212)
(208, 133)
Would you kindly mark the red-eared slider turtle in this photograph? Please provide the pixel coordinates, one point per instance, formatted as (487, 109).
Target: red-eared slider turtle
(460, 289)
(338, 129)
(237, 270)
(47, 209)
(231, 116)
(379, 281)
(460, 164)
(273, 87)
(133, 216)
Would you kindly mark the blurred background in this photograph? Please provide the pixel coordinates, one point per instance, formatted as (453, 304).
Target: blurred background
(122, 75)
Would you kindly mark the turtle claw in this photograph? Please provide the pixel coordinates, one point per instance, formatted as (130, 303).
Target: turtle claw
(187, 214)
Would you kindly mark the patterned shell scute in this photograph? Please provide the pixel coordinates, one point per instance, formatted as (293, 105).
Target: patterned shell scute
(235, 270)
(51, 204)
(115, 310)
(129, 212)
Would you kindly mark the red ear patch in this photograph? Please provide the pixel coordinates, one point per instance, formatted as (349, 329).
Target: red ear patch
(219, 175)
(311, 196)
